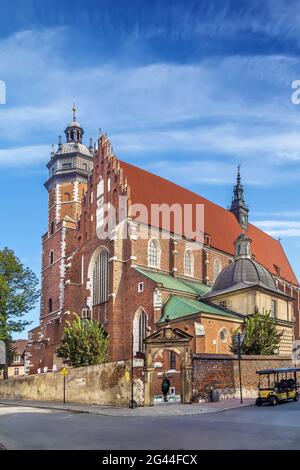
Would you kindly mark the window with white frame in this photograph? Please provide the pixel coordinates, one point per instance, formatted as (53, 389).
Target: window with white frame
(16, 371)
(188, 263)
(17, 358)
(224, 335)
(140, 287)
(153, 254)
(101, 278)
(217, 268)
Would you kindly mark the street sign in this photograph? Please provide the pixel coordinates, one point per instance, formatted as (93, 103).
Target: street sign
(2, 353)
(127, 376)
(64, 371)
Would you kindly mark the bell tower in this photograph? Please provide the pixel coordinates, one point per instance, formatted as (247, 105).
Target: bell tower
(238, 206)
(69, 169)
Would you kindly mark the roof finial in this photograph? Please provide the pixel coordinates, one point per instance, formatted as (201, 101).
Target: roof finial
(74, 109)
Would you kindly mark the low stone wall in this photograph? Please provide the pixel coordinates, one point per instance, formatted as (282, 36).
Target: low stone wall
(222, 373)
(105, 384)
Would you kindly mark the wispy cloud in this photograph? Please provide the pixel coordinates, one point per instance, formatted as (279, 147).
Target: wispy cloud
(281, 214)
(23, 156)
(162, 109)
(279, 228)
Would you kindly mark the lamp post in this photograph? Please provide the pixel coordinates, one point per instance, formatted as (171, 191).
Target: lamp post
(239, 340)
(131, 375)
(86, 320)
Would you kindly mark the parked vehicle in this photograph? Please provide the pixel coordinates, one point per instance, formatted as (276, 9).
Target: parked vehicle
(277, 385)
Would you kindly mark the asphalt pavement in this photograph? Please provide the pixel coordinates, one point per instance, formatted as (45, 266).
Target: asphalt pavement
(248, 427)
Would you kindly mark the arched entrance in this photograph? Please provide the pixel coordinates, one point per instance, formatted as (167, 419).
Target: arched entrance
(171, 339)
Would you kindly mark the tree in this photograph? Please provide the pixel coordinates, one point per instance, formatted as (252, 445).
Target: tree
(18, 295)
(84, 343)
(261, 335)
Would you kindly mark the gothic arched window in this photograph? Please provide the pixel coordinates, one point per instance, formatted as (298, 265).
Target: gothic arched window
(101, 278)
(153, 253)
(50, 306)
(188, 263)
(139, 331)
(217, 268)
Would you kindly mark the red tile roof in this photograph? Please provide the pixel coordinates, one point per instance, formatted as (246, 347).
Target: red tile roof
(147, 188)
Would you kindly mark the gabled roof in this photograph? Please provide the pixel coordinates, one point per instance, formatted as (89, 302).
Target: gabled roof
(20, 345)
(147, 188)
(178, 284)
(177, 336)
(178, 307)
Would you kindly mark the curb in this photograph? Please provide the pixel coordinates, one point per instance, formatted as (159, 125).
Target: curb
(44, 407)
(103, 413)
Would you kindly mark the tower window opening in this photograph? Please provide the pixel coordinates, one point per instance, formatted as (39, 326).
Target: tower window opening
(67, 197)
(51, 257)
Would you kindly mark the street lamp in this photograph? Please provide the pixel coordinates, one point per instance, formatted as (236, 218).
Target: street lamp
(86, 320)
(239, 338)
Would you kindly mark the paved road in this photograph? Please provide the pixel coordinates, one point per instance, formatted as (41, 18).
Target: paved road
(244, 428)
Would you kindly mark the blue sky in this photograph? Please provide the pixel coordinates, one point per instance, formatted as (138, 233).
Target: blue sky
(187, 89)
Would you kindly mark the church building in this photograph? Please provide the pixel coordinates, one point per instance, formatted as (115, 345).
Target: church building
(143, 272)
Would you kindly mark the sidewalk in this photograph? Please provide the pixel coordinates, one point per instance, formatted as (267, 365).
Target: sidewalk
(166, 409)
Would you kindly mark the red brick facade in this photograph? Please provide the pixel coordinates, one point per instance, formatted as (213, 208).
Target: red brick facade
(74, 244)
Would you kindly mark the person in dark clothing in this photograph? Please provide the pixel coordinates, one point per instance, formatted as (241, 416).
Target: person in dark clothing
(165, 387)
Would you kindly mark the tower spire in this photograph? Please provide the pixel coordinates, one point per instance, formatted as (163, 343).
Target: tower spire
(74, 131)
(238, 206)
(74, 109)
(238, 177)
